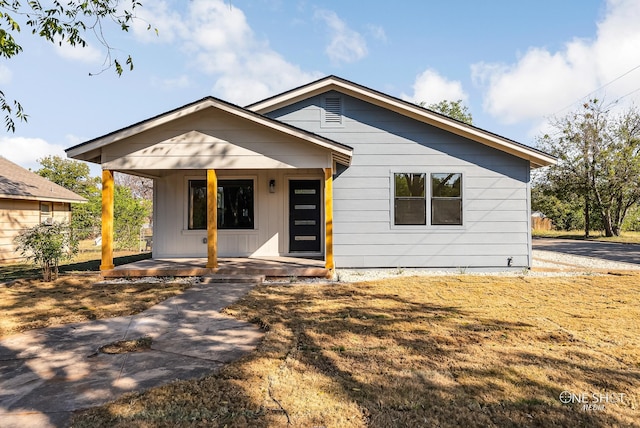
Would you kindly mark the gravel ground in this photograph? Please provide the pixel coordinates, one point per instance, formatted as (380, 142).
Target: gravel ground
(545, 263)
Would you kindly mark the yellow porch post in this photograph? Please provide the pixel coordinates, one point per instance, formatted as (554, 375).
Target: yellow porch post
(212, 219)
(328, 219)
(107, 220)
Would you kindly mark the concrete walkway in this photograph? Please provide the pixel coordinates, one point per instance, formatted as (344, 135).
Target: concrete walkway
(47, 374)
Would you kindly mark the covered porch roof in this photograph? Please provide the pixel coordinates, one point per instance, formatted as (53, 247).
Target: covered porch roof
(210, 134)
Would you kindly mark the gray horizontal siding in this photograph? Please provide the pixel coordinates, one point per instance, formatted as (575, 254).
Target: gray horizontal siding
(431, 262)
(495, 192)
(427, 249)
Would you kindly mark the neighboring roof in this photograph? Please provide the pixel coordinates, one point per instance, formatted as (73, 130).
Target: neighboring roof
(340, 152)
(19, 183)
(536, 157)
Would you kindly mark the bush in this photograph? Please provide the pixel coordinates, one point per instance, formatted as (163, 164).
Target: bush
(46, 245)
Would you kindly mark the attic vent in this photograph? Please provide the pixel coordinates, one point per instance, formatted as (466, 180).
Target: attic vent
(333, 111)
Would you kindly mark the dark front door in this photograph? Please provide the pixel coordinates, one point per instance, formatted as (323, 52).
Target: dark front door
(304, 216)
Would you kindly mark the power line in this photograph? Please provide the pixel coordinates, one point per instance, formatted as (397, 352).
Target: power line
(626, 95)
(602, 87)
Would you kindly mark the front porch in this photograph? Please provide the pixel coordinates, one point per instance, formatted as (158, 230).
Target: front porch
(227, 266)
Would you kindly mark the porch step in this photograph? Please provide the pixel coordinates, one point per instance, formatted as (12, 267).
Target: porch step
(217, 278)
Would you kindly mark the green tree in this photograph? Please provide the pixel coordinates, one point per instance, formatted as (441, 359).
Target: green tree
(70, 174)
(599, 161)
(453, 109)
(565, 210)
(46, 246)
(60, 23)
(129, 214)
(76, 176)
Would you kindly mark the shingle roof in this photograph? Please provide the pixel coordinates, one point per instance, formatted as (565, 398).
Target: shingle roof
(19, 183)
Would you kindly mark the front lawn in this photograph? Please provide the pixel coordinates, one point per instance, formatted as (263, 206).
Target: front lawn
(29, 303)
(471, 351)
(596, 235)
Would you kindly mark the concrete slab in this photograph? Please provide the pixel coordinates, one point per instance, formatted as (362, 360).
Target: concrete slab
(49, 373)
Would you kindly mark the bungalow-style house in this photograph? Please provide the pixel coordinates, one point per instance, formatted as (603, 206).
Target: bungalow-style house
(331, 169)
(26, 199)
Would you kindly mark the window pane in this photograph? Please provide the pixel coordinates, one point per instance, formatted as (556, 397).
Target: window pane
(446, 185)
(197, 204)
(410, 211)
(409, 185)
(446, 211)
(235, 204)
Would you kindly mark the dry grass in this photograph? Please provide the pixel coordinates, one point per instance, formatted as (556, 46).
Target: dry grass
(433, 351)
(26, 304)
(127, 346)
(625, 237)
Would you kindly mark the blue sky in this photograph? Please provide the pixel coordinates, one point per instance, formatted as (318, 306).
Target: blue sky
(515, 64)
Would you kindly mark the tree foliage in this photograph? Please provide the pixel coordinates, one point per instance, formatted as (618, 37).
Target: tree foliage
(70, 174)
(76, 176)
(132, 200)
(599, 162)
(129, 214)
(453, 109)
(61, 23)
(46, 246)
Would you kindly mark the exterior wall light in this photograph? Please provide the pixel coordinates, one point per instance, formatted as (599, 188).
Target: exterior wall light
(272, 186)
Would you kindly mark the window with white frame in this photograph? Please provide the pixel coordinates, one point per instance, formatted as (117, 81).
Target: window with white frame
(234, 200)
(46, 212)
(446, 199)
(410, 199)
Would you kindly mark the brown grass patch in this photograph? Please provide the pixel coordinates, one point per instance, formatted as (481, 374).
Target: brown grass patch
(126, 346)
(626, 237)
(468, 351)
(26, 304)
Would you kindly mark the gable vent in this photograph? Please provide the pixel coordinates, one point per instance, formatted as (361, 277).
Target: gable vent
(333, 111)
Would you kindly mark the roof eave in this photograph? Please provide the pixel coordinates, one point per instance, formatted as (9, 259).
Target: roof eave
(88, 150)
(43, 198)
(535, 157)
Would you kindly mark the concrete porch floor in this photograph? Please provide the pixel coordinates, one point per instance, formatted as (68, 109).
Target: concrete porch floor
(266, 266)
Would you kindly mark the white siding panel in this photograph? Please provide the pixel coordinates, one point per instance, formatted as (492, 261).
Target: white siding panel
(268, 238)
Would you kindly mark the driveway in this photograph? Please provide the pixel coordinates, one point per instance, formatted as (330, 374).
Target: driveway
(626, 253)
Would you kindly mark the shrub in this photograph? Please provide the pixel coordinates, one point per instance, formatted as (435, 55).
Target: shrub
(46, 245)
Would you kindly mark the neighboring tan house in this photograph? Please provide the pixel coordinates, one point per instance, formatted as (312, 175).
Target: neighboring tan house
(26, 199)
(331, 169)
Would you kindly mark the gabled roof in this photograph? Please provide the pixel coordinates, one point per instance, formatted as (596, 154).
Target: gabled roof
(536, 157)
(87, 150)
(19, 183)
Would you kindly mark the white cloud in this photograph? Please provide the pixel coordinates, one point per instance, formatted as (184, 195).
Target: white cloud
(346, 45)
(377, 32)
(220, 42)
(5, 74)
(26, 151)
(179, 82)
(541, 83)
(87, 54)
(430, 87)
(158, 15)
